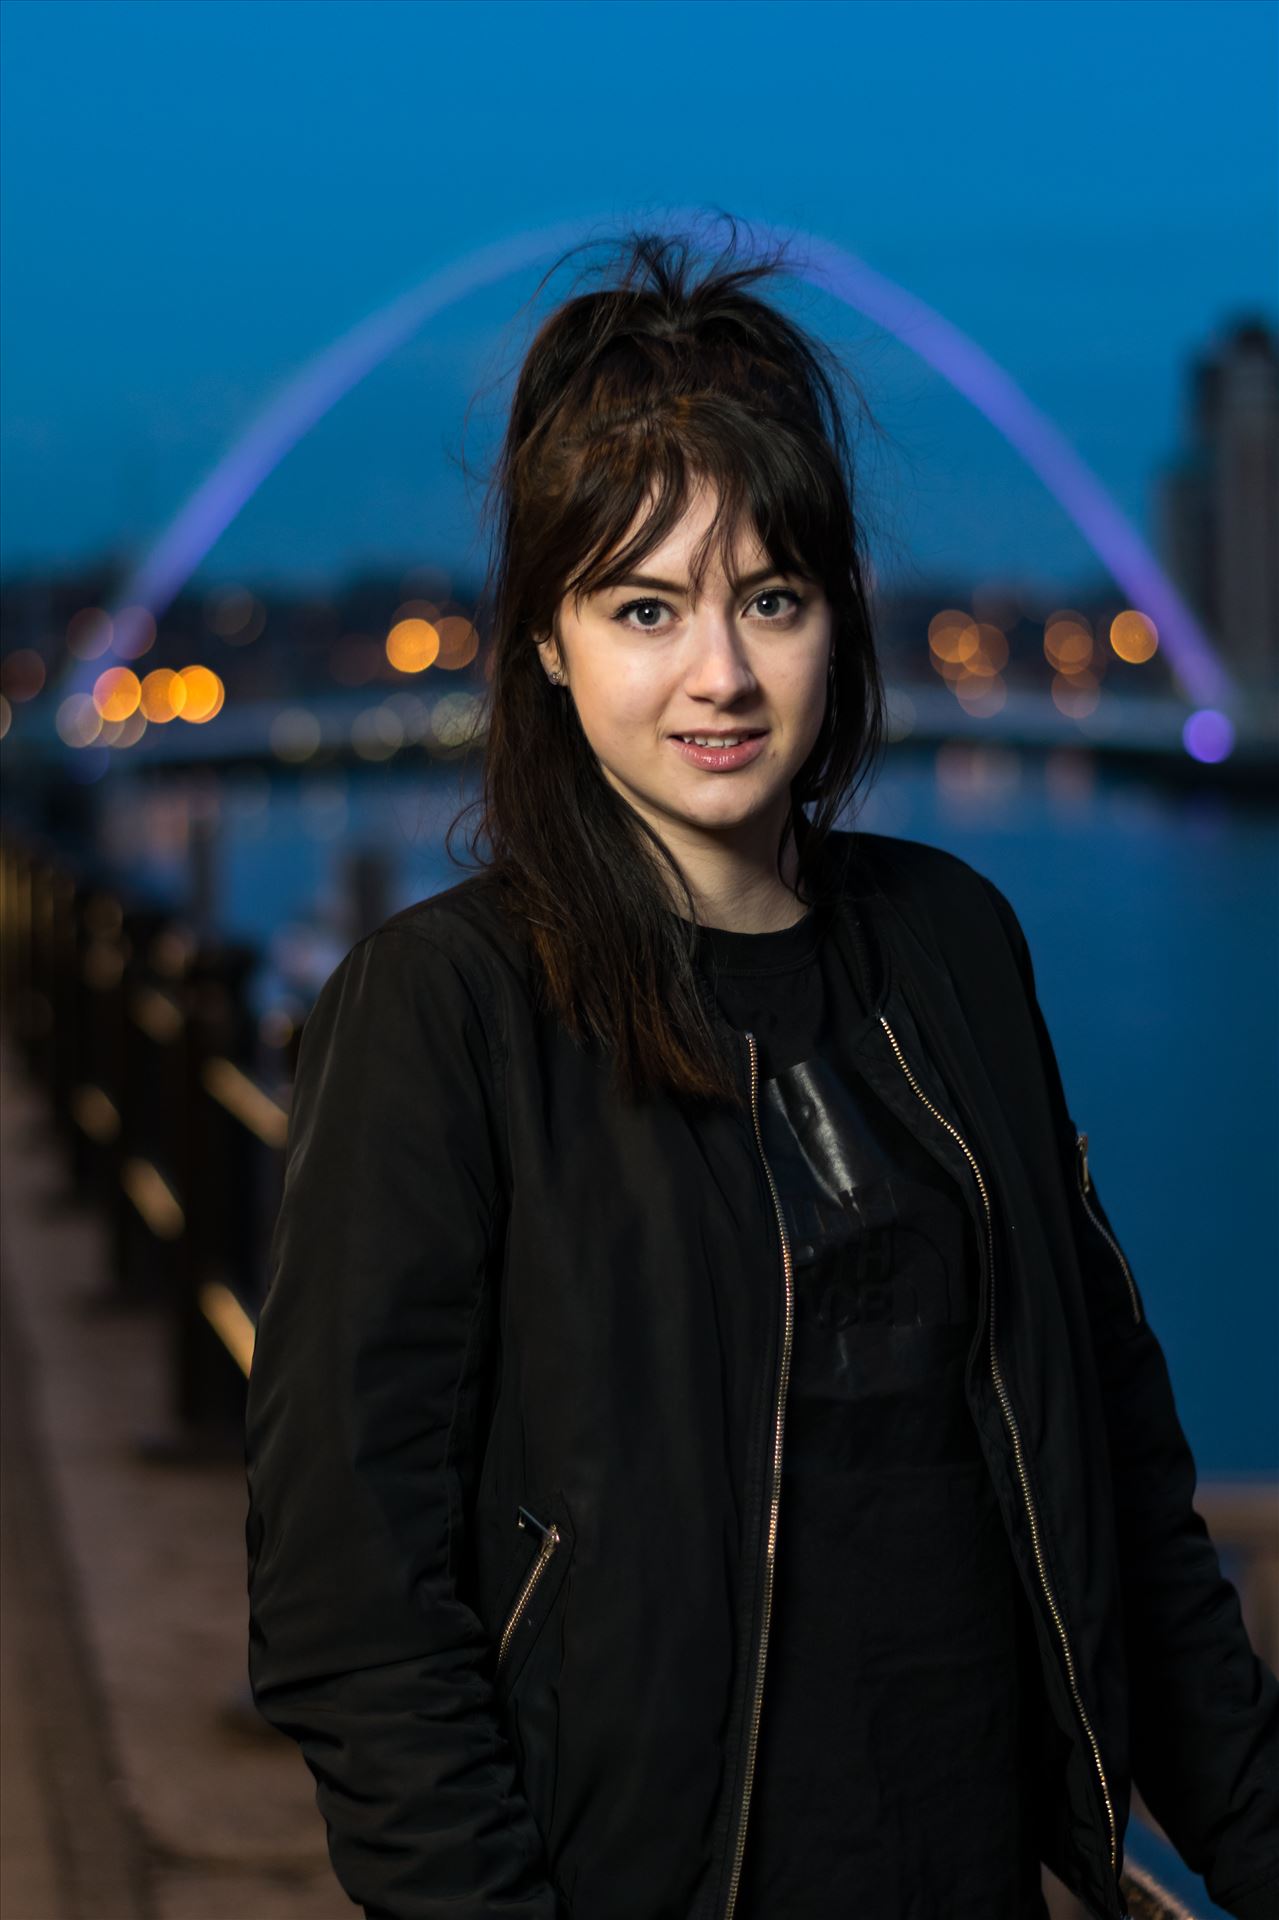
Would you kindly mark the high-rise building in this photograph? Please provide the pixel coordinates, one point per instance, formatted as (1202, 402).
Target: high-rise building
(1219, 503)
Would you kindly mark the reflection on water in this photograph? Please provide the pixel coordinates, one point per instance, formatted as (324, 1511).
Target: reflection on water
(1152, 916)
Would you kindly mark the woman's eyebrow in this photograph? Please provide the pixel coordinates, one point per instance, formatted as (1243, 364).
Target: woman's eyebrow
(676, 586)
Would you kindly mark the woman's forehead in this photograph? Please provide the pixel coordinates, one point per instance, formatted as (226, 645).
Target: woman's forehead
(682, 559)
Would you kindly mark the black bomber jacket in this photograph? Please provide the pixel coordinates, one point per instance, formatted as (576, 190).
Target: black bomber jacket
(515, 1421)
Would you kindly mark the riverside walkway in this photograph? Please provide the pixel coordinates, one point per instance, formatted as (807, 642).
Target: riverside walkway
(138, 1784)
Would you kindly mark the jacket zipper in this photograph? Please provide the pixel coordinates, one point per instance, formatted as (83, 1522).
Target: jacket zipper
(550, 1540)
(1015, 1436)
(1085, 1185)
(779, 1409)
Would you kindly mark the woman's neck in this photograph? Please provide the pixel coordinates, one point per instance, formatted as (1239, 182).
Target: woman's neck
(742, 895)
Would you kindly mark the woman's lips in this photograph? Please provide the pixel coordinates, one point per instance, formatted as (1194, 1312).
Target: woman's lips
(720, 759)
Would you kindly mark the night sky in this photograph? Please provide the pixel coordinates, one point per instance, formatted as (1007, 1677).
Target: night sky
(197, 197)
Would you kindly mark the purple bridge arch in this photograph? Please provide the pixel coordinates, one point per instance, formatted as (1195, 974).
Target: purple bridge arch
(338, 368)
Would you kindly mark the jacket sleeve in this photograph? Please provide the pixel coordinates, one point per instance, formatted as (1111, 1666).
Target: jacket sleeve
(361, 1647)
(1204, 1707)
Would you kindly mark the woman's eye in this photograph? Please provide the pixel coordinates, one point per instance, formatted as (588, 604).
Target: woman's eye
(773, 594)
(781, 593)
(637, 606)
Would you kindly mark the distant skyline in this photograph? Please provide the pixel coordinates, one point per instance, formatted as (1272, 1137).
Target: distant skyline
(194, 198)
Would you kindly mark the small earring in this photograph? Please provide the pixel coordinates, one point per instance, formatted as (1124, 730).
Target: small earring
(554, 676)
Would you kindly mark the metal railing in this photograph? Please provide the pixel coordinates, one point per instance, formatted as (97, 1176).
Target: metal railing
(142, 1042)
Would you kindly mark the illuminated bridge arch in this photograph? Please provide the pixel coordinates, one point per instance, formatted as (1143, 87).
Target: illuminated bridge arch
(338, 368)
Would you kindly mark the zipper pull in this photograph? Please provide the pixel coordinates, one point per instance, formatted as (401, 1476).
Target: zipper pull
(1081, 1142)
(527, 1519)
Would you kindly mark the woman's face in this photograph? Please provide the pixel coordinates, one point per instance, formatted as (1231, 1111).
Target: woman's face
(645, 665)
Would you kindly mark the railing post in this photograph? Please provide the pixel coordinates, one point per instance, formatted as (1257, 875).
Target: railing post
(233, 1156)
(149, 1214)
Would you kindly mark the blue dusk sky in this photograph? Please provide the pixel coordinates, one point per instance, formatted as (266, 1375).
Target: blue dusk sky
(199, 197)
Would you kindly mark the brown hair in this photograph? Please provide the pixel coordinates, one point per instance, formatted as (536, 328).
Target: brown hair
(634, 393)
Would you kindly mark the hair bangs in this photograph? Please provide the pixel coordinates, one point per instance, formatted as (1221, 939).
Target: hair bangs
(638, 486)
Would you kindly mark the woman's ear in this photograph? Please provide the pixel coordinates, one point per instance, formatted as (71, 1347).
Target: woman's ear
(548, 650)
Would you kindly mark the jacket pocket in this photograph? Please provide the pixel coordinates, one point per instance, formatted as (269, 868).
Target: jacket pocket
(1102, 1234)
(539, 1562)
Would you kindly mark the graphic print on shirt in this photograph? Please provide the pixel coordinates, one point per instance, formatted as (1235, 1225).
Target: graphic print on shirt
(895, 1730)
(884, 1273)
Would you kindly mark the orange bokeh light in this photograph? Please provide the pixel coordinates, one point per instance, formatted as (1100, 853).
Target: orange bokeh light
(953, 636)
(1068, 644)
(204, 694)
(459, 642)
(1133, 636)
(412, 645)
(116, 693)
(163, 695)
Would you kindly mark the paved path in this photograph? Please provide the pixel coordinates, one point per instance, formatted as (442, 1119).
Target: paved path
(68, 1844)
(135, 1787)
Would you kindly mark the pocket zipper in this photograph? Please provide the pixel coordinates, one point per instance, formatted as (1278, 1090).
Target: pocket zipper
(1085, 1187)
(550, 1540)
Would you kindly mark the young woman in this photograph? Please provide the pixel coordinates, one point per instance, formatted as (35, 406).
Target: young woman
(707, 1455)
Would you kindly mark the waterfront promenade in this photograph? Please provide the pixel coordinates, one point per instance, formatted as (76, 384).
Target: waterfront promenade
(138, 1783)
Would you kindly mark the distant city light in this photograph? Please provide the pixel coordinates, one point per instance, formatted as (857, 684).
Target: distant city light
(1133, 636)
(163, 695)
(952, 635)
(970, 656)
(204, 696)
(117, 693)
(459, 642)
(412, 645)
(1208, 736)
(78, 721)
(1068, 641)
(992, 652)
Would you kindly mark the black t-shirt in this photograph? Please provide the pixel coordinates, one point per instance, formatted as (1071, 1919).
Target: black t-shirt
(895, 1742)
